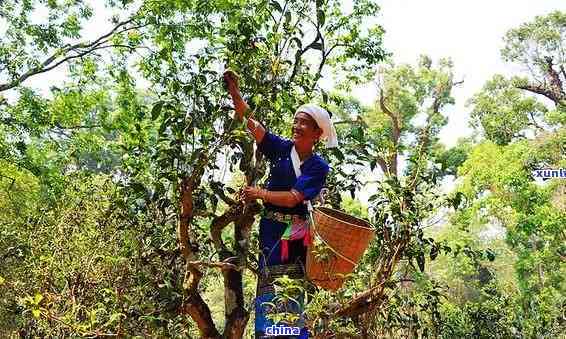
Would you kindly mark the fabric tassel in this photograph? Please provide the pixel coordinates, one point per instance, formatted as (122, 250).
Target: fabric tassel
(284, 250)
(285, 243)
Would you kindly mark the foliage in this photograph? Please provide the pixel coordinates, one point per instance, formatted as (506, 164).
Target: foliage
(119, 212)
(158, 149)
(504, 112)
(498, 181)
(72, 267)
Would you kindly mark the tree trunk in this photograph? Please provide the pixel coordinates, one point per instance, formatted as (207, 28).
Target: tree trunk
(236, 315)
(195, 306)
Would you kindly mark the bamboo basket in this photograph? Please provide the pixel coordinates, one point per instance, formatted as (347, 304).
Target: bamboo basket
(344, 239)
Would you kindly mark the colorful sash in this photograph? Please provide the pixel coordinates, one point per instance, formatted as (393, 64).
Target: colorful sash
(297, 228)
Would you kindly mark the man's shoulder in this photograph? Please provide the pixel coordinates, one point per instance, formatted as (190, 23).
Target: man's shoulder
(281, 140)
(317, 162)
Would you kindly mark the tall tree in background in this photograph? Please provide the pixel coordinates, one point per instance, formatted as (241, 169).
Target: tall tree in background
(524, 134)
(539, 47)
(408, 198)
(506, 107)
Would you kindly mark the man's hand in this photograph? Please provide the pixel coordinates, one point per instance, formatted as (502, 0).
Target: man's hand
(253, 193)
(232, 83)
(231, 80)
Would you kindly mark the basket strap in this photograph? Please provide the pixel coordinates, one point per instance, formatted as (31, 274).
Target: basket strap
(295, 160)
(332, 248)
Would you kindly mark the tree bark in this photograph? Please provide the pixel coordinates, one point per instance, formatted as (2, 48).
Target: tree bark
(193, 304)
(375, 296)
(236, 316)
(552, 95)
(394, 136)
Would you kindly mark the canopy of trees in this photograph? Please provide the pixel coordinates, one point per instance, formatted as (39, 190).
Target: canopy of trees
(119, 208)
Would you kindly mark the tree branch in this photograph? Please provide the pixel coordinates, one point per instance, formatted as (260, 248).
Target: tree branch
(538, 89)
(199, 311)
(342, 122)
(236, 316)
(425, 135)
(193, 304)
(382, 164)
(554, 77)
(219, 264)
(374, 296)
(222, 195)
(58, 125)
(220, 222)
(334, 46)
(299, 55)
(396, 132)
(534, 122)
(185, 217)
(81, 49)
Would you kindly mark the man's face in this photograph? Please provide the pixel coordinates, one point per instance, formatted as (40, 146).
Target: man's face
(305, 129)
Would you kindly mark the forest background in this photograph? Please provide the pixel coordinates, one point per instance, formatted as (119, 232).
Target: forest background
(118, 212)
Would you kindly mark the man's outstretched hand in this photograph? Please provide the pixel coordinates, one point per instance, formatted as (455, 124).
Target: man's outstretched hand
(231, 81)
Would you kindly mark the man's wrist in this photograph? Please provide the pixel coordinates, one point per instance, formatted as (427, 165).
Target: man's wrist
(264, 194)
(251, 124)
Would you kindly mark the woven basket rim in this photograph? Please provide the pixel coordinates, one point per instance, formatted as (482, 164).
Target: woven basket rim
(321, 209)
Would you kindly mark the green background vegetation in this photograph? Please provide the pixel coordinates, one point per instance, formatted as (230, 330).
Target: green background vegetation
(118, 208)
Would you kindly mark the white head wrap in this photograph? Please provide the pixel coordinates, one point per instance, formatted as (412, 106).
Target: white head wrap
(322, 118)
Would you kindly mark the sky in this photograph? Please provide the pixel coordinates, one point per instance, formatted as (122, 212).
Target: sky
(468, 31)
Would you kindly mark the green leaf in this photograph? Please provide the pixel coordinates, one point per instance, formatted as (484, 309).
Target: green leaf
(36, 313)
(321, 17)
(338, 154)
(37, 298)
(434, 252)
(421, 261)
(156, 110)
(434, 293)
(115, 317)
(137, 187)
(490, 254)
(457, 200)
(276, 5)
(287, 18)
(2, 280)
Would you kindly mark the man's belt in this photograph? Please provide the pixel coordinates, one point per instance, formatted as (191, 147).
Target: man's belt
(282, 217)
